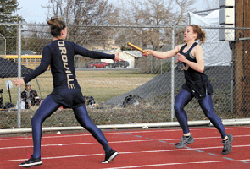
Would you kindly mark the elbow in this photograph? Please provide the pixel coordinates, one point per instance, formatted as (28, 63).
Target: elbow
(43, 68)
(201, 70)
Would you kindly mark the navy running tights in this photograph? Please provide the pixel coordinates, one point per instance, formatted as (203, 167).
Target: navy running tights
(47, 107)
(182, 99)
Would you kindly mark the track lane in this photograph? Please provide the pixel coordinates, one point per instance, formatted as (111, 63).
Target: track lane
(144, 148)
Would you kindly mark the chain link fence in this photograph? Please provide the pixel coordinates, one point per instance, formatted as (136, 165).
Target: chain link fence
(143, 92)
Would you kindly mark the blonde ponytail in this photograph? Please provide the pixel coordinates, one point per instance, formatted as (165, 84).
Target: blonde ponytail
(201, 35)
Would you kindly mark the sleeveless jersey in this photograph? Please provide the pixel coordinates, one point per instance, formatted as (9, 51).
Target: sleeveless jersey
(196, 83)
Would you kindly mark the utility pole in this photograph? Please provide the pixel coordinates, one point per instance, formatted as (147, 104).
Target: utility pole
(241, 51)
(48, 7)
(17, 34)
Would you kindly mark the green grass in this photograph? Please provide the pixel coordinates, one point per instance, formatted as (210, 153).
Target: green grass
(102, 85)
(151, 111)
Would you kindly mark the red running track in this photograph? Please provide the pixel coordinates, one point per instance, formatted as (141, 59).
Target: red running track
(149, 148)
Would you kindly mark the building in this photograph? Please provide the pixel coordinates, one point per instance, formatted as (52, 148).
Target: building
(129, 56)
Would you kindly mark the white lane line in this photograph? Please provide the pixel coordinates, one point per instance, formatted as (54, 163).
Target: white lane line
(87, 134)
(5, 139)
(82, 155)
(243, 160)
(85, 155)
(57, 157)
(246, 127)
(206, 138)
(105, 133)
(184, 149)
(247, 135)
(43, 145)
(148, 151)
(115, 142)
(16, 147)
(129, 141)
(166, 164)
(60, 136)
(126, 141)
(46, 145)
(205, 148)
(124, 167)
(147, 131)
(196, 162)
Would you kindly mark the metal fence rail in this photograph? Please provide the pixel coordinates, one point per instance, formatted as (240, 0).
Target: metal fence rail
(154, 82)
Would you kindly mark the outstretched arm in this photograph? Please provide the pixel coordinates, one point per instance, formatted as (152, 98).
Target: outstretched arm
(117, 57)
(199, 66)
(18, 82)
(162, 55)
(92, 54)
(45, 62)
(96, 55)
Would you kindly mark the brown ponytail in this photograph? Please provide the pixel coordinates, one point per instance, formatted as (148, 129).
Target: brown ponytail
(201, 35)
(56, 26)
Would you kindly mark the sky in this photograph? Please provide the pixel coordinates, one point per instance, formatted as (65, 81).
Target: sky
(34, 11)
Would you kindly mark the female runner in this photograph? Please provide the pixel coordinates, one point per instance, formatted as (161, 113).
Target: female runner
(59, 54)
(197, 85)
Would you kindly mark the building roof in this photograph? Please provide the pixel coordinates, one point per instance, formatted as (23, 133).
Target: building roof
(136, 54)
(24, 52)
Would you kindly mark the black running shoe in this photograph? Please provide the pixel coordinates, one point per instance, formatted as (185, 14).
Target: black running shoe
(227, 144)
(110, 156)
(184, 141)
(31, 162)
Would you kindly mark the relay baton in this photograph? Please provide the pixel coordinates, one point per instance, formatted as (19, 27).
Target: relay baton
(136, 47)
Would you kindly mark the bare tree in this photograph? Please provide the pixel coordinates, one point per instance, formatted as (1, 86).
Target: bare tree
(79, 13)
(209, 4)
(152, 12)
(35, 37)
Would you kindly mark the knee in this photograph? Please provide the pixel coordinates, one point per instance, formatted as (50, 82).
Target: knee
(208, 113)
(33, 121)
(88, 124)
(178, 108)
(178, 112)
(213, 116)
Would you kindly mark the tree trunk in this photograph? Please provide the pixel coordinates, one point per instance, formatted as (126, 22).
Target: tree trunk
(242, 60)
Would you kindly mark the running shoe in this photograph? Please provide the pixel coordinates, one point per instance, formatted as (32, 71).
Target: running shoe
(109, 156)
(227, 144)
(31, 162)
(184, 141)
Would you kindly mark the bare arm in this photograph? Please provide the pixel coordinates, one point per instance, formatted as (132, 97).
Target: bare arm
(163, 55)
(199, 66)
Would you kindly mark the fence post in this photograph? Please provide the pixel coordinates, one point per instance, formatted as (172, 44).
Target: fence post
(188, 18)
(19, 76)
(172, 73)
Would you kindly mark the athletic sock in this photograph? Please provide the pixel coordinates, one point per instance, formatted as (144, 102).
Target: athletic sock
(226, 138)
(187, 135)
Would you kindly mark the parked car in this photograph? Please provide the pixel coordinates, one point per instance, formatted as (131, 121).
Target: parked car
(97, 65)
(121, 64)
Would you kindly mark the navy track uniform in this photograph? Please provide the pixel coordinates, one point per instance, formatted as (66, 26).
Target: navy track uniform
(66, 90)
(198, 86)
